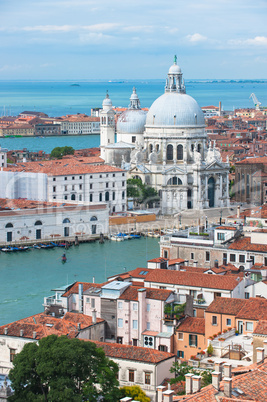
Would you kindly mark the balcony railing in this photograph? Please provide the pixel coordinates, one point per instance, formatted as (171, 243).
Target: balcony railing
(52, 300)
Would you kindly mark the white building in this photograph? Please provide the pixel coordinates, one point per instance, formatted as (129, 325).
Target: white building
(171, 152)
(79, 179)
(3, 157)
(79, 124)
(31, 220)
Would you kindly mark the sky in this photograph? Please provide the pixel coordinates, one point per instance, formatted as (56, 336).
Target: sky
(114, 39)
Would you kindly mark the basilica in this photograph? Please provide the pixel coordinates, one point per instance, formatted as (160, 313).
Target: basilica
(167, 148)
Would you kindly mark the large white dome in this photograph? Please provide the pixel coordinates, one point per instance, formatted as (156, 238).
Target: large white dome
(175, 109)
(131, 121)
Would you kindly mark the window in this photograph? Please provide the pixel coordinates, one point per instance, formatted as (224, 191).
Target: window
(131, 375)
(193, 340)
(66, 220)
(54, 189)
(65, 197)
(9, 225)
(249, 326)
(246, 295)
(180, 353)
(12, 354)
(113, 196)
(194, 312)
(113, 184)
(54, 179)
(193, 293)
(80, 177)
(207, 256)
(133, 139)
(147, 378)
(92, 303)
(148, 325)
(106, 185)
(120, 323)
(93, 229)
(228, 322)
(87, 299)
(73, 188)
(66, 188)
(135, 342)
(91, 186)
(220, 236)
(73, 197)
(123, 195)
(180, 336)
(148, 307)
(123, 183)
(241, 258)
(73, 177)
(106, 196)
(38, 223)
(232, 257)
(252, 259)
(165, 254)
(106, 175)
(93, 218)
(120, 305)
(192, 256)
(119, 339)
(100, 176)
(134, 324)
(91, 197)
(180, 153)
(169, 152)
(91, 177)
(80, 186)
(214, 320)
(123, 174)
(65, 178)
(113, 175)
(135, 306)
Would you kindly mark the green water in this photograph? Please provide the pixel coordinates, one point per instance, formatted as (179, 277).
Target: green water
(26, 278)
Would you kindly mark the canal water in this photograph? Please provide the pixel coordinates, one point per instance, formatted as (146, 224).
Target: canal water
(26, 278)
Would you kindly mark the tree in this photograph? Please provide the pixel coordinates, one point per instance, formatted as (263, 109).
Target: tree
(59, 152)
(182, 369)
(135, 392)
(141, 193)
(62, 369)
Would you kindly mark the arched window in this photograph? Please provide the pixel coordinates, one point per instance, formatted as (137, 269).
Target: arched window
(93, 218)
(73, 197)
(248, 186)
(199, 148)
(211, 191)
(174, 181)
(180, 152)
(137, 177)
(169, 152)
(80, 197)
(66, 220)
(100, 197)
(9, 225)
(150, 148)
(157, 148)
(38, 223)
(106, 196)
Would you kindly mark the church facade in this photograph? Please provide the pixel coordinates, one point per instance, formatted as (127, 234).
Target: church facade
(168, 149)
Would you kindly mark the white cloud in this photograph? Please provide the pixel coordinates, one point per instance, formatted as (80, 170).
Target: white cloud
(257, 41)
(139, 28)
(94, 38)
(195, 38)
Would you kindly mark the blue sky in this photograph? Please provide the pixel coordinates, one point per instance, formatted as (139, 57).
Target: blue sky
(88, 39)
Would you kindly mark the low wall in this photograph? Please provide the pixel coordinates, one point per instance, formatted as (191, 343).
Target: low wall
(124, 220)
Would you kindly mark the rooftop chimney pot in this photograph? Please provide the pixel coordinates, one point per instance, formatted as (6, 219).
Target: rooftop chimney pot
(216, 375)
(265, 348)
(228, 387)
(196, 383)
(188, 383)
(6, 331)
(227, 370)
(260, 354)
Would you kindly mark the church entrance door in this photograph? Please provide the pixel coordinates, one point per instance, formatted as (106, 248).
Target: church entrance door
(211, 191)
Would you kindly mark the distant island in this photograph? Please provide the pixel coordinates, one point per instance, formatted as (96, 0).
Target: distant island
(75, 85)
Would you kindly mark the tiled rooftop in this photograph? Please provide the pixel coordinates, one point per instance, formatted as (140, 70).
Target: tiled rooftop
(193, 325)
(244, 243)
(261, 328)
(225, 305)
(86, 285)
(131, 293)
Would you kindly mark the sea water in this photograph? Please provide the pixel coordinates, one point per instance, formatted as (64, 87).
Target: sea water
(27, 277)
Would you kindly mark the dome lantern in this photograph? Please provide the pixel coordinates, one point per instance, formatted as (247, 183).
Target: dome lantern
(174, 82)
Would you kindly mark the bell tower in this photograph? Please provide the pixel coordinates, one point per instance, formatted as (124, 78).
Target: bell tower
(107, 125)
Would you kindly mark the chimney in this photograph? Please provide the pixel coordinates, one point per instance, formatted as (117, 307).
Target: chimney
(6, 331)
(160, 389)
(220, 108)
(238, 212)
(167, 395)
(142, 310)
(249, 264)
(93, 279)
(34, 334)
(218, 367)
(79, 326)
(188, 383)
(227, 370)
(94, 316)
(228, 387)
(260, 354)
(21, 332)
(195, 263)
(196, 383)
(185, 263)
(265, 348)
(216, 375)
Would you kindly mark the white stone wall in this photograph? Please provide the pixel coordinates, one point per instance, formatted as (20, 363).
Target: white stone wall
(80, 127)
(7, 343)
(52, 222)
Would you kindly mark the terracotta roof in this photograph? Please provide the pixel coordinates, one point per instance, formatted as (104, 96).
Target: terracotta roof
(261, 328)
(159, 259)
(225, 228)
(45, 325)
(225, 305)
(253, 309)
(64, 166)
(187, 279)
(176, 261)
(11, 204)
(244, 243)
(192, 325)
(131, 293)
(127, 352)
(86, 285)
(250, 161)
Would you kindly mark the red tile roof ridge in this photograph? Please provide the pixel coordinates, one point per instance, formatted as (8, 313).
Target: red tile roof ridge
(192, 325)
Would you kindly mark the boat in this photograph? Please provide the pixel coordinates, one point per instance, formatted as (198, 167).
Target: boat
(37, 246)
(8, 249)
(64, 258)
(23, 248)
(135, 236)
(115, 237)
(47, 246)
(124, 235)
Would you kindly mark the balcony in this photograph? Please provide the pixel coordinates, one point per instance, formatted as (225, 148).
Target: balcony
(52, 301)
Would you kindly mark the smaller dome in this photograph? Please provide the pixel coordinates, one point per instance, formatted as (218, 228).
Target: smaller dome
(131, 121)
(175, 69)
(107, 101)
